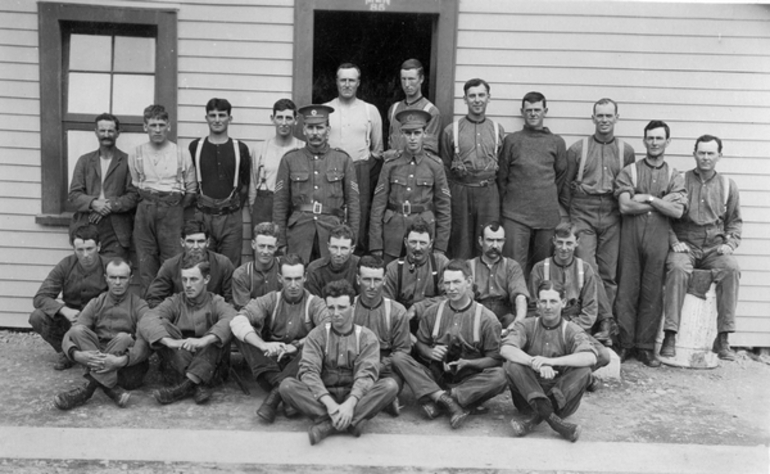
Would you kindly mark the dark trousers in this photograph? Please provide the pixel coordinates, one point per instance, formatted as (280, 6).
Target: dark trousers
(363, 168)
(225, 234)
(639, 303)
(564, 391)
(472, 208)
(298, 395)
(526, 245)
(130, 377)
(108, 241)
(200, 364)
(262, 209)
(51, 329)
(157, 230)
(269, 371)
(470, 387)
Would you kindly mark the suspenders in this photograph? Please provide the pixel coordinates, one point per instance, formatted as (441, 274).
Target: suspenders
(278, 303)
(434, 272)
(476, 321)
(634, 173)
(387, 303)
(581, 271)
(237, 151)
(358, 338)
(456, 134)
(584, 156)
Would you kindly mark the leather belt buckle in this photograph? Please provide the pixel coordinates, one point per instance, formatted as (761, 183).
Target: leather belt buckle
(317, 207)
(406, 208)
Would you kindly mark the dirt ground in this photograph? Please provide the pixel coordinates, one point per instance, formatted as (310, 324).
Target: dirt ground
(723, 406)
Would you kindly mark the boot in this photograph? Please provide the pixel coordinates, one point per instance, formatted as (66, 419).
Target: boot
(524, 426)
(569, 431)
(269, 408)
(75, 397)
(62, 362)
(289, 411)
(722, 347)
(430, 409)
(605, 330)
(393, 409)
(593, 384)
(456, 413)
(357, 429)
(167, 395)
(201, 394)
(668, 348)
(117, 395)
(319, 431)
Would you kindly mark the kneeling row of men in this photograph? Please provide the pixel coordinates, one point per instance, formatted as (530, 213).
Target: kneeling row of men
(341, 359)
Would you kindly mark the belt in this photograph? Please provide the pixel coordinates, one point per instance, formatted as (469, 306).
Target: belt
(163, 197)
(317, 208)
(217, 212)
(478, 184)
(407, 208)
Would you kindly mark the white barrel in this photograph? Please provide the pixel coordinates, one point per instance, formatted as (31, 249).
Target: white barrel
(697, 331)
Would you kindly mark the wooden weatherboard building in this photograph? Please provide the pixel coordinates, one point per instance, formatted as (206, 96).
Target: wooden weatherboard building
(703, 68)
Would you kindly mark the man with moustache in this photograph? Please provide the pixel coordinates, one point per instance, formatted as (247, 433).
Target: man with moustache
(470, 150)
(104, 341)
(262, 275)
(270, 332)
(223, 169)
(412, 77)
(705, 238)
(195, 242)
(102, 192)
(337, 386)
(650, 193)
(341, 264)
(316, 189)
(191, 333)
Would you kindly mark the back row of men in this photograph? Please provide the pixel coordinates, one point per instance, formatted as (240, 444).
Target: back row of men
(527, 180)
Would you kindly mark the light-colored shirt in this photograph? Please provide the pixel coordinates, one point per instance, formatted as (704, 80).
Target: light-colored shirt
(105, 166)
(264, 165)
(168, 169)
(355, 128)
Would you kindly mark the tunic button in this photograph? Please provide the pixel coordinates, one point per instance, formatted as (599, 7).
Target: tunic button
(315, 218)
(316, 172)
(408, 189)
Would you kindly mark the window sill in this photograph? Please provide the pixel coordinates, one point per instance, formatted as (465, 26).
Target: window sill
(54, 220)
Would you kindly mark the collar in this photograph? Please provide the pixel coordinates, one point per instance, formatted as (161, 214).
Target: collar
(569, 264)
(651, 166)
(490, 265)
(696, 172)
(477, 122)
(409, 104)
(544, 130)
(409, 156)
(208, 139)
(413, 264)
(551, 328)
(119, 299)
(287, 301)
(269, 267)
(463, 309)
(202, 299)
(321, 152)
(352, 328)
(370, 308)
(611, 140)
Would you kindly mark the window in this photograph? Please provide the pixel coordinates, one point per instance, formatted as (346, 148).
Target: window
(93, 60)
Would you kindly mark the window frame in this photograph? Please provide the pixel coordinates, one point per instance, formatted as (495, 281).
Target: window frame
(55, 20)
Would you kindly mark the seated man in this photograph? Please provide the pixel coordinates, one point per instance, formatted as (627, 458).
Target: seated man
(340, 264)
(271, 330)
(195, 242)
(548, 365)
(385, 317)
(458, 343)
(103, 340)
(337, 385)
(705, 237)
(191, 332)
(78, 278)
(500, 284)
(260, 277)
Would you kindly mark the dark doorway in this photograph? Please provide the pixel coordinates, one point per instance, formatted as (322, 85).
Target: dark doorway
(377, 43)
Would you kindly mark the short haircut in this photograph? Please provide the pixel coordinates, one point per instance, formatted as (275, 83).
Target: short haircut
(418, 226)
(291, 260)
(118, 261)
(459, 265)
(413, 64)
(606, 101)
(546, 285)
(371, 261)
(475, 82)
(194, 226)
(338, 288)
(348, 66)
(342, 232)
(108, 117)
(268, 229)
(155, 112)
(85, 232)
(219, 104)
(566, 229)
(285, 104)
(708, 138)
(494, 226)
(192, 261)
(533, 98)
(657, 124)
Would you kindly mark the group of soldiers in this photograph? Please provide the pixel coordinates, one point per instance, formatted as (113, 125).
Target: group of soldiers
(351, 293)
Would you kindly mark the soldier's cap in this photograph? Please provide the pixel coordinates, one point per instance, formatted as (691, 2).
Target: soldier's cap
(413, 119)
(315, 113)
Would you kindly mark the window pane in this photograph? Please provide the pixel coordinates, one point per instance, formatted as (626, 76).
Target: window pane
(131, 94)
(88, 93)
(134, 54)
(90, 52)
(129, 141)
(80, 142)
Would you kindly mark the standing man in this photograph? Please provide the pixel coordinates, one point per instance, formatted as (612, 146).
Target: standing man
(499, 281)
(222, 167)
(77, 278)
(650, 192)
(191, 332)
(165, 177)
(270, 332)
(470, 149)
(412, 76)
(593, 163)
(263, 274)
(531, 179)
(265, 160)
(412, 186)
(341, 264)
(104, 341)
(102, 192)
(705, 238)
(337, 385)
(316, 189)
(548, 364)
(356, 128)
